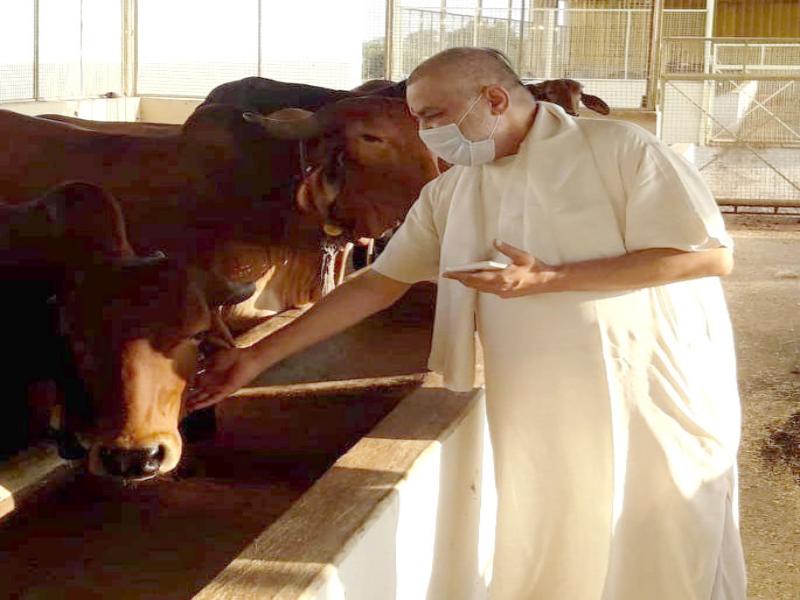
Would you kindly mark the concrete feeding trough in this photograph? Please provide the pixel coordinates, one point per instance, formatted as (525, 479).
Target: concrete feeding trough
(345, 471)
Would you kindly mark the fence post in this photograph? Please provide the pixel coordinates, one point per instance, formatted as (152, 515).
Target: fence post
(627, 42)
(35, 49)
(442, 21)
(129, 43)
(476, 22)
(520, 50)
(654, 59)
(388, 54)
(258, 38)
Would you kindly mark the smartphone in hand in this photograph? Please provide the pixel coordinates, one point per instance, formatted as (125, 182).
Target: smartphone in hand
(484, 265)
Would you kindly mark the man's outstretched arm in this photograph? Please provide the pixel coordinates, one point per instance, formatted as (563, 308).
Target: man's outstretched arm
(351, 302)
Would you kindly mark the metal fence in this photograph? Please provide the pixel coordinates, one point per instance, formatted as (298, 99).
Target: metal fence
(59, 48)
(735, 105)
(330, 44)
(608, 49)
(70, 49)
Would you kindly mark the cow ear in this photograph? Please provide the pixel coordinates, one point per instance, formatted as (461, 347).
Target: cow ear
(596, 104)
(536, 90)
(88, 222)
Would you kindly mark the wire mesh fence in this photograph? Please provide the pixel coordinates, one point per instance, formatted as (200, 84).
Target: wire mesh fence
(16, 50)
(735, 104)
(332, 44)
(59, 48)
(606, 45)
(65, 49)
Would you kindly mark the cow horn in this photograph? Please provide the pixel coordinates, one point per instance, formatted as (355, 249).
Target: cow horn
(220, 291)
(288, 123)
(139, 261)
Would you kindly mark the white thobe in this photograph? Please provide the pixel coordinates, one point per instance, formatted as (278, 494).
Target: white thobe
(614, 416)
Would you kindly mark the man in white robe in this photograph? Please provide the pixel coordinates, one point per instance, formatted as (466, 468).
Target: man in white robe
(609, 362)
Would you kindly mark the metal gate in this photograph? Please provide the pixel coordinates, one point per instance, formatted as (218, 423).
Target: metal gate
(733, 104)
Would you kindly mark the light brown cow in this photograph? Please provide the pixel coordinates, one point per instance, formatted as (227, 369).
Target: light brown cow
(133, 325)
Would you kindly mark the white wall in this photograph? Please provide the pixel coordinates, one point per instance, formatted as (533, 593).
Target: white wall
(434, 539)
(100, 109)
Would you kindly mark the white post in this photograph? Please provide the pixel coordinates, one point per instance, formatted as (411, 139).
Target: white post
(627, 49)
(129, 41)
(521, 48)
(654, 66)
(476, 22)
(709, 58)
(389, 42)
(35, 49)
(442, 19)
(258, 39)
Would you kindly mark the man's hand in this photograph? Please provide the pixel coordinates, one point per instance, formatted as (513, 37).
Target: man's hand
(524, 276)
(225, 372)
(228, 370)
(634, 270)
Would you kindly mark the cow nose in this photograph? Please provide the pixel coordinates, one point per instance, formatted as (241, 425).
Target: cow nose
(132, 463)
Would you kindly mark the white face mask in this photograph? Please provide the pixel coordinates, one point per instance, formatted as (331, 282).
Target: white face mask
(448, 143)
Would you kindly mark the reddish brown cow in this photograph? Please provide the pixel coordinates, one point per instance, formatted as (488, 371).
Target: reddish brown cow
(568, 94)
(296, 282)
(122, 127)
(221, 180)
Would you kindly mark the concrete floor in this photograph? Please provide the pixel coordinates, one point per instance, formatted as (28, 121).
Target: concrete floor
(764, 299)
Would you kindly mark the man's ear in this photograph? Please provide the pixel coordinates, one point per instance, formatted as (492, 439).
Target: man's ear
(498, 97)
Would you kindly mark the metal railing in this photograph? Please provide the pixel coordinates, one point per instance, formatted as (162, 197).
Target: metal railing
(609, 49)
(736, 102)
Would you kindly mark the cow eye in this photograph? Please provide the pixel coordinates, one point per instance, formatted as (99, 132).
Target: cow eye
(199, 337)
(370, 138)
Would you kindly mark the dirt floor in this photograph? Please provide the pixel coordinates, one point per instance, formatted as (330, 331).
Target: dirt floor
(764, 300)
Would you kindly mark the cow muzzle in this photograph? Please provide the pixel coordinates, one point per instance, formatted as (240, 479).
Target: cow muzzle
(136, 463)
(132, 464)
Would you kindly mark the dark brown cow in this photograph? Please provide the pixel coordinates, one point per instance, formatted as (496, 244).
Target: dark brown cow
(132, 324)
(223, 178)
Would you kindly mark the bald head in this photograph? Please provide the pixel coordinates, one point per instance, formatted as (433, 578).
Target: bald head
(467, 70)
(476, 89)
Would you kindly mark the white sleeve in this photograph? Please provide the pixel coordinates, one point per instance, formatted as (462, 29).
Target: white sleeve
(412, 254)
(669, 205)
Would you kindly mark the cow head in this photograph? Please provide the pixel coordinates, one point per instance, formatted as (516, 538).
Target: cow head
(133, 325)
(368, 163)
(134, 328)
(568, 94)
